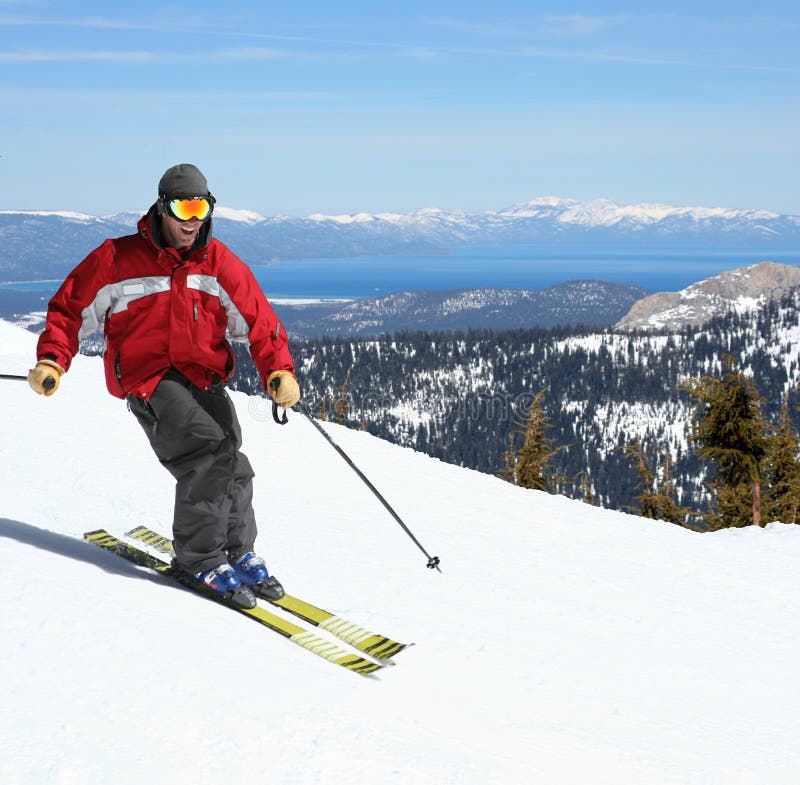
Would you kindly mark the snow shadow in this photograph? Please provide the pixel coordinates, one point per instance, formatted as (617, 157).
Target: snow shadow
(71, 548)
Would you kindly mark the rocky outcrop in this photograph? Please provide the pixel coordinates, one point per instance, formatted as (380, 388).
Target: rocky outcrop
(735, 290)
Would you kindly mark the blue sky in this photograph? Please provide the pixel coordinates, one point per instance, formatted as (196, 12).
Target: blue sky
(295, 108)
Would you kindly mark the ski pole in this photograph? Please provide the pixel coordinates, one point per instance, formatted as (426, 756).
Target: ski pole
(433, 561)
(48, 383)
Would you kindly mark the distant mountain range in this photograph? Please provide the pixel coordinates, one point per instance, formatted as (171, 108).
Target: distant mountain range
(39, 244)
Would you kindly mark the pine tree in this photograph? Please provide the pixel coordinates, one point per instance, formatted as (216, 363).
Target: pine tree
(584, 488)
(532, 464)
(733, 505)
(322, 413)
(657, 500)
(509, 470)
(731, 431)
(635, 453)
(782, 502)
(340, 404)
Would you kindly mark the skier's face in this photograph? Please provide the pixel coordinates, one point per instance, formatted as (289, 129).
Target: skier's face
(179, 234)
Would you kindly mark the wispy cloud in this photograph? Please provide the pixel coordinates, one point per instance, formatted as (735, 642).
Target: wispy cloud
(94, 23)
(147, 57)
(594, 25)
(420, 53)
(268, 53)
(506, 32)
(542, 25)
(619, 57)
(169, 26)
(53, 56)
(74, 97)
(756, 25)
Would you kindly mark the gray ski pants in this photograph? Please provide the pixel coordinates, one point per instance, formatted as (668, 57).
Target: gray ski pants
(196, 436)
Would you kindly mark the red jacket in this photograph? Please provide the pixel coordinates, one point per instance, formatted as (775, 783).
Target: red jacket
(158, 310)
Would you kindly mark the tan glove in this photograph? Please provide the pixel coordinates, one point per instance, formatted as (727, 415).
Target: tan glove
(283, 387)
(44, 378)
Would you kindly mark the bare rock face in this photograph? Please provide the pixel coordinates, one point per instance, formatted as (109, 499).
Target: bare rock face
(735, 290)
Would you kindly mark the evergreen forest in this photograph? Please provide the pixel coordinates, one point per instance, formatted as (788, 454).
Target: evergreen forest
(460, 396)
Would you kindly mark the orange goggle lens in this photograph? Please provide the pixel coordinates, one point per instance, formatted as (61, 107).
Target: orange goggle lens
(186, 209)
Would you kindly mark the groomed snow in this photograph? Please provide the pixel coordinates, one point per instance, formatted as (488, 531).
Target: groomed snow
(562, 644)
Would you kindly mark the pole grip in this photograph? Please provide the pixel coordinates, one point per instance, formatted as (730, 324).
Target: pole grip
(49, 382)
(273, 385)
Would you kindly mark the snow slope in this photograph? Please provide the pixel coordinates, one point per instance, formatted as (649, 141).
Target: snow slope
(561, 644)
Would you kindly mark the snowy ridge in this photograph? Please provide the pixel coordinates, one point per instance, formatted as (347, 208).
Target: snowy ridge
(736, 291)
(597, 213)
(66, 214)
(242, 216)
(604, 212)
(27, 250)
(343, 219)
(599, 652)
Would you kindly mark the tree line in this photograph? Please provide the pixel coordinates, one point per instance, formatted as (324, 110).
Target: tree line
(755, 463)
(620, 411)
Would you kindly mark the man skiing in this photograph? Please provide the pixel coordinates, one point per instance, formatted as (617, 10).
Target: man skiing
(165, 298)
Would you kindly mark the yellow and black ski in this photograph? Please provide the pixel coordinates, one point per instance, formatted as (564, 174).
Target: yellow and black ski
(373, 644)
(302, 637)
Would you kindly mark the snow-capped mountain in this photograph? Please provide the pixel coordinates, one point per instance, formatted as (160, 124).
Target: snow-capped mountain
(591, 215)
(47, 244)
(65, 214)
(567, 219)
(562, 643)
(605, 212)
(732, 291)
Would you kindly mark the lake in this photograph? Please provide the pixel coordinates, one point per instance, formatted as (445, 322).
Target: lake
(517, 267)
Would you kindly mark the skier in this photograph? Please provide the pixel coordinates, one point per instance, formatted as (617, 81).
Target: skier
(164, 298)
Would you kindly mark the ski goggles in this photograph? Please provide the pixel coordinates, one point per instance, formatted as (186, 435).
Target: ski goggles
(199, 207)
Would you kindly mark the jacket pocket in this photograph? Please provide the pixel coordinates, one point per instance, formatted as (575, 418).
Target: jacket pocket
(208, 325)
(144, 413)
(113, 367)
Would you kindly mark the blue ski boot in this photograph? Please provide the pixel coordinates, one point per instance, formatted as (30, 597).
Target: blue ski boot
(225, 582)
(252, 571)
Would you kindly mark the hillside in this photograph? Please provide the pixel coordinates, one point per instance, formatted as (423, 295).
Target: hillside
(458, 396)
(746, 288)
(562, 643)
(573, 302)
